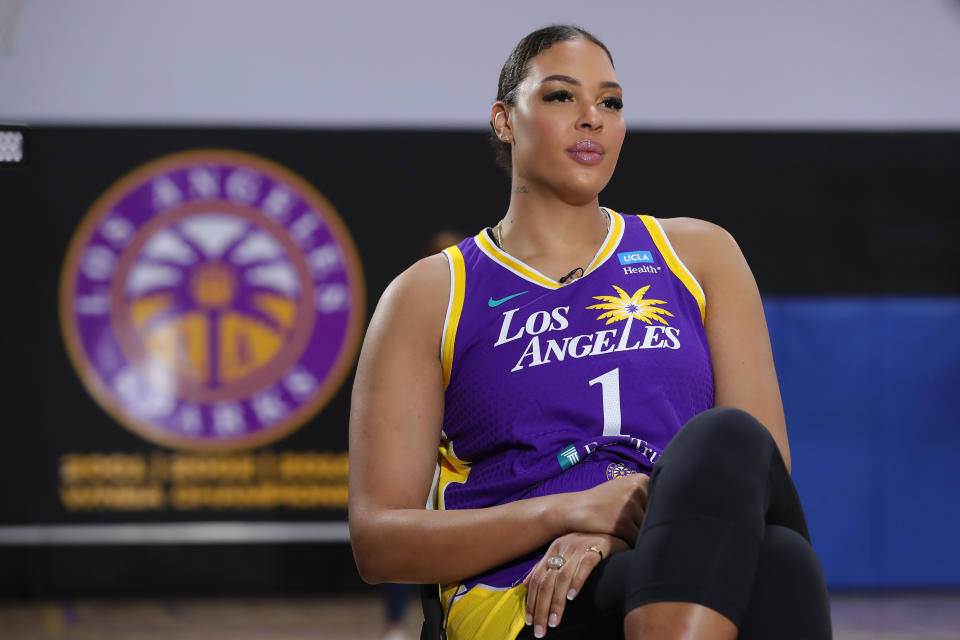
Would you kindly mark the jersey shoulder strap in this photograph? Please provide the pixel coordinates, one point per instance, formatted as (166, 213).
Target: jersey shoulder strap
(674, 263)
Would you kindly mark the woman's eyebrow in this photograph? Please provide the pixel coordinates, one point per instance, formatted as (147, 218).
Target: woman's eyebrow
(571, 80)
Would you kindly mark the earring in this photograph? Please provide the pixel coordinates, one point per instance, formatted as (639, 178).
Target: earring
(503, 137)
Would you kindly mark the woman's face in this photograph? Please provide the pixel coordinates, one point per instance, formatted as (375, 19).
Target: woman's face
(566, 124)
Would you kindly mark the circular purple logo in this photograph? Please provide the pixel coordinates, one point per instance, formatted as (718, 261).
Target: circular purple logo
(212, 300)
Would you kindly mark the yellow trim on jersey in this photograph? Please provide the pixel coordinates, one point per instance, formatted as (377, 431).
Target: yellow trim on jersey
(452, 469)
(676, 265)
(458, 279)
(606, 249)
(514, 265)
(484, 613)
(616, 231)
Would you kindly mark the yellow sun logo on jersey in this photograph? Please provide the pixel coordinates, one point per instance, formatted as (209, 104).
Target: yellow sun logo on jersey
(629, 307)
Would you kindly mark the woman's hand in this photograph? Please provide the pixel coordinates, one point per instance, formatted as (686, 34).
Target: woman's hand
(614, 507)
(549, 589)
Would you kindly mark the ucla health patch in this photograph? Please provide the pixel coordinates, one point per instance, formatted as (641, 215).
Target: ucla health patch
(212, 300)
(635, 257)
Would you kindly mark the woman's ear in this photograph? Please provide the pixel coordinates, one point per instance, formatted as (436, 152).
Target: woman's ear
(500, 121)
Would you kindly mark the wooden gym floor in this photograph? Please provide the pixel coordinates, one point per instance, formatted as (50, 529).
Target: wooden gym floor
(894, 616)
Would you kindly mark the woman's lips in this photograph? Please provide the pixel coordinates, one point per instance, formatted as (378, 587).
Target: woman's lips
(586, 152)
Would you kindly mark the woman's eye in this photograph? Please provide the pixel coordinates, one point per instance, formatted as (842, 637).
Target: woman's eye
(558, 96)
(613, 103)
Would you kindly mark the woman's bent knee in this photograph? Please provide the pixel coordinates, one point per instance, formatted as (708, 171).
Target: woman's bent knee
(717, 464)
(724, 433)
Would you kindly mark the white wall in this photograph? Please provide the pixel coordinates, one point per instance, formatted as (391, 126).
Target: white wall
(683, 63)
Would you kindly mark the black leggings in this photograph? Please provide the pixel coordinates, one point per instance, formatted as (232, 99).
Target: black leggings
(724, 529)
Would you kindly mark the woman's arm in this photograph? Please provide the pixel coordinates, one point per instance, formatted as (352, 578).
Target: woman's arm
(743, 369)
(395, 422)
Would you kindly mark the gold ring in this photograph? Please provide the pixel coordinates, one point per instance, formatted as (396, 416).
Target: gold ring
(555, 562)
(594, 547)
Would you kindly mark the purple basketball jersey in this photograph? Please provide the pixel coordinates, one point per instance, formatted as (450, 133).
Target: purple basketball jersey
(556, 388)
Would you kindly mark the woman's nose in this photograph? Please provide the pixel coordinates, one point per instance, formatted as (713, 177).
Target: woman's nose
(590, 118)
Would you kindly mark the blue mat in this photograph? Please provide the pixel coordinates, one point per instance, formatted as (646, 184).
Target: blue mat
(870, 388)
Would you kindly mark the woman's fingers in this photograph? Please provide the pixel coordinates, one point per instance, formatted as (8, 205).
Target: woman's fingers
(636, 508)
(550, 587)
(564, 580)
(546, 581)
(629, 525)
(644, 489)
(549, 590)
(532, 583)
(588, 562)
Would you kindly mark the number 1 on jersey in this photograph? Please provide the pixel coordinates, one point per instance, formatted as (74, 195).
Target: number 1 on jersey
(610, 386)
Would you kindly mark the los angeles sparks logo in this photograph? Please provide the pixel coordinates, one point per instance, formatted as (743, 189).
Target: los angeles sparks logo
(212, 299)
(629, 307)
(542, 348)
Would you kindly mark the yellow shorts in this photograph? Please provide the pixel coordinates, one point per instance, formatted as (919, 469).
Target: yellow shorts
(483, 613)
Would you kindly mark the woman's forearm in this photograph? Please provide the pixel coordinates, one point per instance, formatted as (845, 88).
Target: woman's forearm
(425, 546)
(419, 545)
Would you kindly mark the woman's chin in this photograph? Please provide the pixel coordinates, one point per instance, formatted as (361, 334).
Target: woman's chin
(583, 189)
(578, 187)
(578, 198)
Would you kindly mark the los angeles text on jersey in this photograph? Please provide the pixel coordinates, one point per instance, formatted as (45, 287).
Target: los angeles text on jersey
(539, 351)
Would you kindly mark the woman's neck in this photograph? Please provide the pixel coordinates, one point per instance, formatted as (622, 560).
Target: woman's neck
(551, 235)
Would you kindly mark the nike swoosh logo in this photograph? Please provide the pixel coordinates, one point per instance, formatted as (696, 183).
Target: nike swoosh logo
(496, 303)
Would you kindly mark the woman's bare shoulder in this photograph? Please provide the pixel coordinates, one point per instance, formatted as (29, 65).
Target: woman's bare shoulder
(699, 244)
(424, 277)
(691, 230)
(416, 300)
